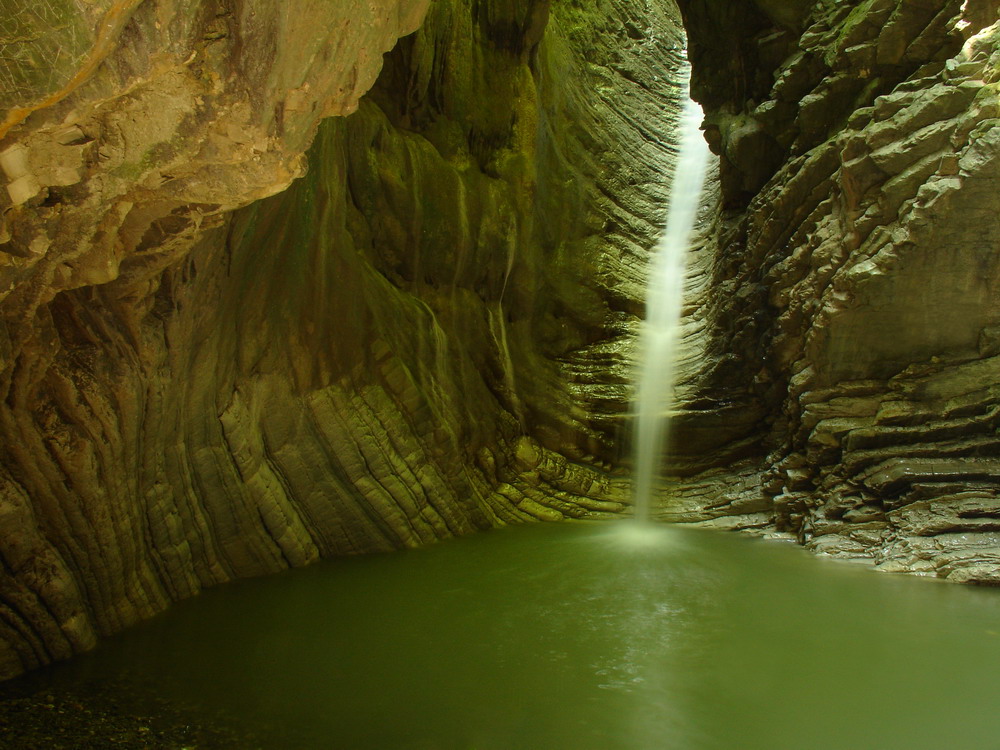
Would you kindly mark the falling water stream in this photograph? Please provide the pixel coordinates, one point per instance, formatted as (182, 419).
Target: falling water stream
(660, 333)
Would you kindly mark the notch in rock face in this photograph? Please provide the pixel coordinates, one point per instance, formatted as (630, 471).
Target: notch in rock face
(22, 185)
(788, 13)
(54, 158)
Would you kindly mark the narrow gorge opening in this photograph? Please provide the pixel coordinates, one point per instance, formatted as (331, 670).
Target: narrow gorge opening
(271, 298)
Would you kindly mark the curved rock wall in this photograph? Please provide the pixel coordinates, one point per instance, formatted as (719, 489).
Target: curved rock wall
(401, 347)
(856, 234)
(131, 128)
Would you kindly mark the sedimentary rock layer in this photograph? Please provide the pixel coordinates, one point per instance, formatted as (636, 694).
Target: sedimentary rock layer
(130, 129)
(402, 346)
(860, 153)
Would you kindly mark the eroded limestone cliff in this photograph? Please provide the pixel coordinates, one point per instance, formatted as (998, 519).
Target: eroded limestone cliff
(404, 345)
(854, 270)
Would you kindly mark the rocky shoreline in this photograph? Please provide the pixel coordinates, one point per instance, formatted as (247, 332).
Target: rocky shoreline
(125, 714)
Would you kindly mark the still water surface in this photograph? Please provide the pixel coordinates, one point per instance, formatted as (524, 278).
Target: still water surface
(582, 637)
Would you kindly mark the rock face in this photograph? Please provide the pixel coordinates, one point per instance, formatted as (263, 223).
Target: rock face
(403, 346)
(856, 249)
(130, 129)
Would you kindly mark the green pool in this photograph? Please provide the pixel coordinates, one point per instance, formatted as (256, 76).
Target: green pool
(583, 637)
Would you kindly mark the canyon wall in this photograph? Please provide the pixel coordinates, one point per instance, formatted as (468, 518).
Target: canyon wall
(221, 356)
(852, 309)
(410, 340)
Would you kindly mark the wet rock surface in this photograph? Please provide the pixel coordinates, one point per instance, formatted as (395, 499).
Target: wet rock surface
(425, 336)
(866, 267)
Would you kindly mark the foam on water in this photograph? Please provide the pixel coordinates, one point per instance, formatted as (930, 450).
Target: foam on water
(642, 535)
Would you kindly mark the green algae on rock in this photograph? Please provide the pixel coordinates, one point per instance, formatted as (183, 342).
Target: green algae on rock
(195, 395)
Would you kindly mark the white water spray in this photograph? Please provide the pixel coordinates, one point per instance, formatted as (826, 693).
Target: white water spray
(659, 335)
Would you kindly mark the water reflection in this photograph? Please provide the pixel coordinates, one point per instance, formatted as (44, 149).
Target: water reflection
(583, 636)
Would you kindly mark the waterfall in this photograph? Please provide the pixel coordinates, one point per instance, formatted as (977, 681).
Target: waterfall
(659, 335)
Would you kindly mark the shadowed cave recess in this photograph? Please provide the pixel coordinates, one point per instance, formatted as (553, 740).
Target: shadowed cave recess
(282, 284)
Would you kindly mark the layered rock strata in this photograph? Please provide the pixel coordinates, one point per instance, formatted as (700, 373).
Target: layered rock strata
(130, 129)
(403, 346)
(856, 233)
